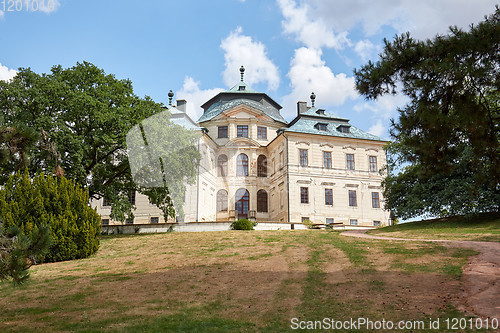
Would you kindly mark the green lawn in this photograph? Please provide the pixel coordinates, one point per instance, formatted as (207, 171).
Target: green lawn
(485, 227)
(236, 281)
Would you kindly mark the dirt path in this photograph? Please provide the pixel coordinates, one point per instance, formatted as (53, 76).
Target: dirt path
(481, 276)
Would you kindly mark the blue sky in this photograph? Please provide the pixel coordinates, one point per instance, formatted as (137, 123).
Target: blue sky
(289, 47)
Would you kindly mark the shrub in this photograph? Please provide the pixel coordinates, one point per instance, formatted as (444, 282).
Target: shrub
(59, 203)
(243, 224)
(308, 224)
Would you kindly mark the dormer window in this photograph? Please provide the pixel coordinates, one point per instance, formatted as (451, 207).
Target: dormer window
(241, 88)
(320, 111)
(321, 126)
(343, 129)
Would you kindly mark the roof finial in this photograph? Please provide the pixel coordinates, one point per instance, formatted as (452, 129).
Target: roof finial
(313, 98)
(170, 96)
(242, 72)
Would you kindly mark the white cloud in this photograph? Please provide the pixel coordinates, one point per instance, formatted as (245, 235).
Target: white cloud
(384, 107)
(243, 50)
(195, 96)
(365, 49)
(309, 73)
(378, 129)
(424, 18)
(6, 74)
(309, 30)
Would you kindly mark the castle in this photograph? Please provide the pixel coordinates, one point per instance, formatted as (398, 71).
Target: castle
(256, 165)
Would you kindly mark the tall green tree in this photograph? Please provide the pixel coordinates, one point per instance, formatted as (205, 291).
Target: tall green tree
(81, 116)
(445, 158)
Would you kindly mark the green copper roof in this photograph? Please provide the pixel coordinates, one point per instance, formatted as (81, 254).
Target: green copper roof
(242, 87)
(217, 108)
(307, 122)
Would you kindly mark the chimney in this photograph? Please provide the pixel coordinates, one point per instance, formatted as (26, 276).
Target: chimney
(181, 105)
(301, 107)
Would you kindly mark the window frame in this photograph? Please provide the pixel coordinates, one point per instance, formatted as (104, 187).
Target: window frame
(375, 200)
(242, 168)
(351, 222)
(262, 132)
(328, 197)
(262, 201)
(327, 160)
(372, 162)
(353, 199)
(221, 201)
(350, 162)
(304, 195)
(222, 130)
(154, 217)
(303, 157)
(242, 131)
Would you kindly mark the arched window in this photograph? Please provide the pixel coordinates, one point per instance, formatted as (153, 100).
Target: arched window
(242, 202)
(262, 201)
(262, 166)
(222, 201)
(222, 166)
(242, 165)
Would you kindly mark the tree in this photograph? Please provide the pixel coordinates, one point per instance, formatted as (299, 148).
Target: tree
(19, 252)
(81, 116)
(32, 203)
(446, 141)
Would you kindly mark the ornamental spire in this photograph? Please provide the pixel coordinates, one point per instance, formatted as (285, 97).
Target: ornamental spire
(242, 72)
(170, 96)
(313, 98)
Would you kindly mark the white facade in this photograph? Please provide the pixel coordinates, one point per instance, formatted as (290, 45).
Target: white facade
(256, 165)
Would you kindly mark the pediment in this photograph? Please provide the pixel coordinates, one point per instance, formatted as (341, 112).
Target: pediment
(242, 142)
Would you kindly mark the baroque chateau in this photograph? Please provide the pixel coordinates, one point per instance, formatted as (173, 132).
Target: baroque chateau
(256, 165)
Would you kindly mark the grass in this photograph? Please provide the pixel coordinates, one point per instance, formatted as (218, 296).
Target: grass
(235, 282)
(484, 227)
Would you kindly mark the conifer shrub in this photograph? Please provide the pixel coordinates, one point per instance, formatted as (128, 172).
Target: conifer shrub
(243, 224)
(32, 202)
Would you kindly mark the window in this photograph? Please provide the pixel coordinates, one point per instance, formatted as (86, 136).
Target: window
(282, 160)
(242, 131)
(375, 200)
(242, 203)
(241, 88)
(105, 221)
(329, 220)
(328, 196)
(222, 132)
(131, 198)
(105, 202)
(222, 166)
(305, 218)
(376, 223)
(352, 199)
(242, 165)
(343, 129)
(373, 163)
(282, 196)
(154, 219)
(350, 161)
(261, 132)
(129, 220)
(304, 195)
(327, 159)
(353, 222)
(262, 201)
(262, 166)
(222, 201)
(303, 157)
(321, 126)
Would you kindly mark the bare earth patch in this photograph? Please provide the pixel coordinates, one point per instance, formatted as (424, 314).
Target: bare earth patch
(260, 278)
(480, 278)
